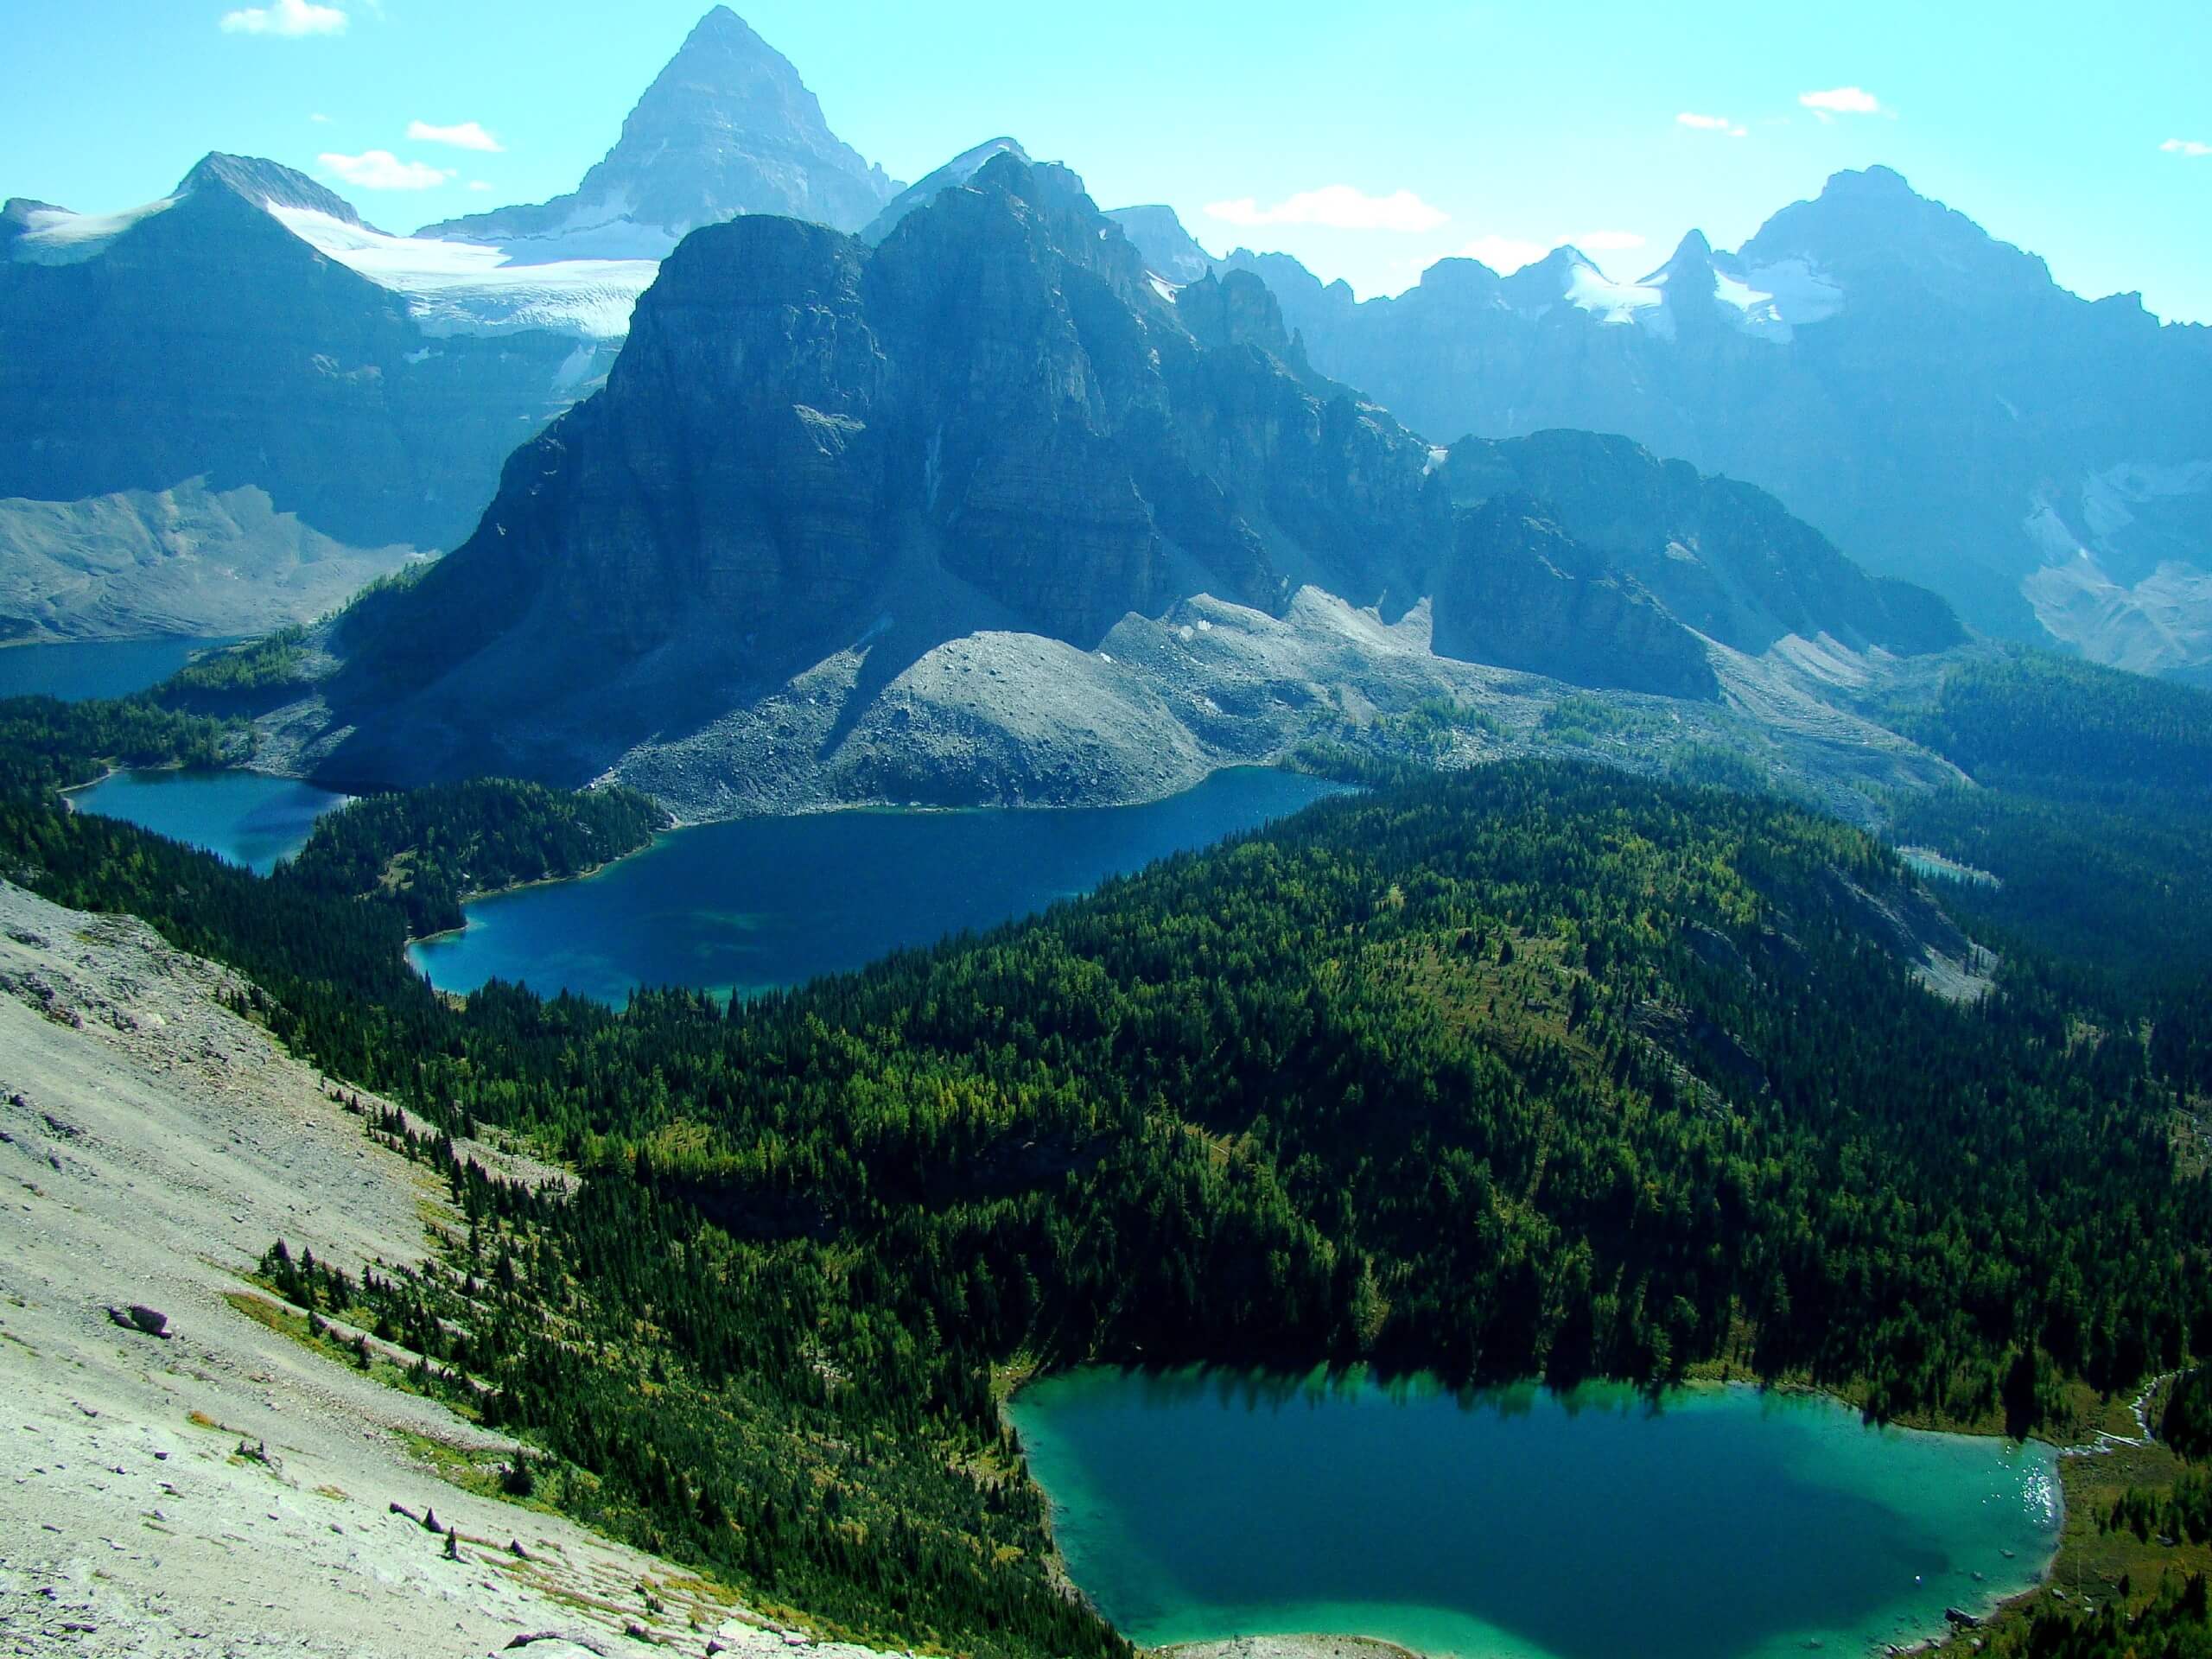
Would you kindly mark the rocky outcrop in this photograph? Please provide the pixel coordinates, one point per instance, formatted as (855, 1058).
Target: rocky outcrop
(933, 184)
(728, 127)
(1524, 593)
(1924, 395)
(1725, 558)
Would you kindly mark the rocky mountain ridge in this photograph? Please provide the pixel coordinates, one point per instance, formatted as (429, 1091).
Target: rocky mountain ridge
(831, 493)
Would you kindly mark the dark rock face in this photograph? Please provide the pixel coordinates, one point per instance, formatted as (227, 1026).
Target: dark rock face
(994, 420)
(1724, 558)
(728, 127)
(1524, 593)
(1921, 393)
(996, 390)
(206, 340)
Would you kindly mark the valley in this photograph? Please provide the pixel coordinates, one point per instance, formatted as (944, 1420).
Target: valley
(749, 909)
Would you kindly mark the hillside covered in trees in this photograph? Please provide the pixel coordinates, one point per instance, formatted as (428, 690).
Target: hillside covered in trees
(1537, 1069)
(1541, 1070)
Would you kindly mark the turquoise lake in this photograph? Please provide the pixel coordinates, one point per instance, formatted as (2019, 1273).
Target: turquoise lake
(1719, 1523)
(94, 668)
(239, 815)
(759, 903)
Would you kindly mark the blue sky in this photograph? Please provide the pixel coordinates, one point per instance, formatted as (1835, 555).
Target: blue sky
(1369, 141)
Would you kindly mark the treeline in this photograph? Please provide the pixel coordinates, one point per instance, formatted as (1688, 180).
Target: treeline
(428, 849)
(46, 744)
(2174, 1623)
(1545, 1068)
(2092, 803)
(2054, 726)
(221, 678)
(724, 1405)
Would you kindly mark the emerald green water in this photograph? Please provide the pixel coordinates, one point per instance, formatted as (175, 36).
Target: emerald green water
(1720, 1523)
(239, 815)
(759, 903)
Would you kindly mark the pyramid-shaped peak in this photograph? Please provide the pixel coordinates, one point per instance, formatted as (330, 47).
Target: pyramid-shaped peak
(727, 127)
(264, 184)
(720, 19)
(1692, 255)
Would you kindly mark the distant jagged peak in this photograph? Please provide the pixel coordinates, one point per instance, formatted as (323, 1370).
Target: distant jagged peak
(1170, 252)
(1879, 240)
(1692, 255)
(265, 184)
(958, 171)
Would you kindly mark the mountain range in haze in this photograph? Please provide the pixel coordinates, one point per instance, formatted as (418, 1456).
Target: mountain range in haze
(240, 399)
(1924, 393)
(988, 511)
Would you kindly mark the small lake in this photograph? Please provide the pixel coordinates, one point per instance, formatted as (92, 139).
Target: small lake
(242, 817)
(94, 668)
(759, 903)
(1720, 1523)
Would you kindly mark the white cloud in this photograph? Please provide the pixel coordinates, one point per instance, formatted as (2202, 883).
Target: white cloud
(320, 120)
(379, 169)
(1606, 241)
(468, 135)
(479, 184)
(1709, 124)
(1842, 101)
(286, 17)
(1502, 254)
(1339, 207)
(2185, 147)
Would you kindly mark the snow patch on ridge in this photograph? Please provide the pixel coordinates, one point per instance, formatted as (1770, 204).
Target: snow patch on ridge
(1795, 292)
(58, 237)
(1590, 289)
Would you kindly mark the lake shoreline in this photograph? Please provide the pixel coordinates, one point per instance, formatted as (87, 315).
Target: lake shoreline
(1965, 1612)
(1315, 1644)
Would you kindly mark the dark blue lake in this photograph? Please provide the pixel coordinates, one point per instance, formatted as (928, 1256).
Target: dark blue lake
(239, 815)
(97, 667)
(765, 902)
